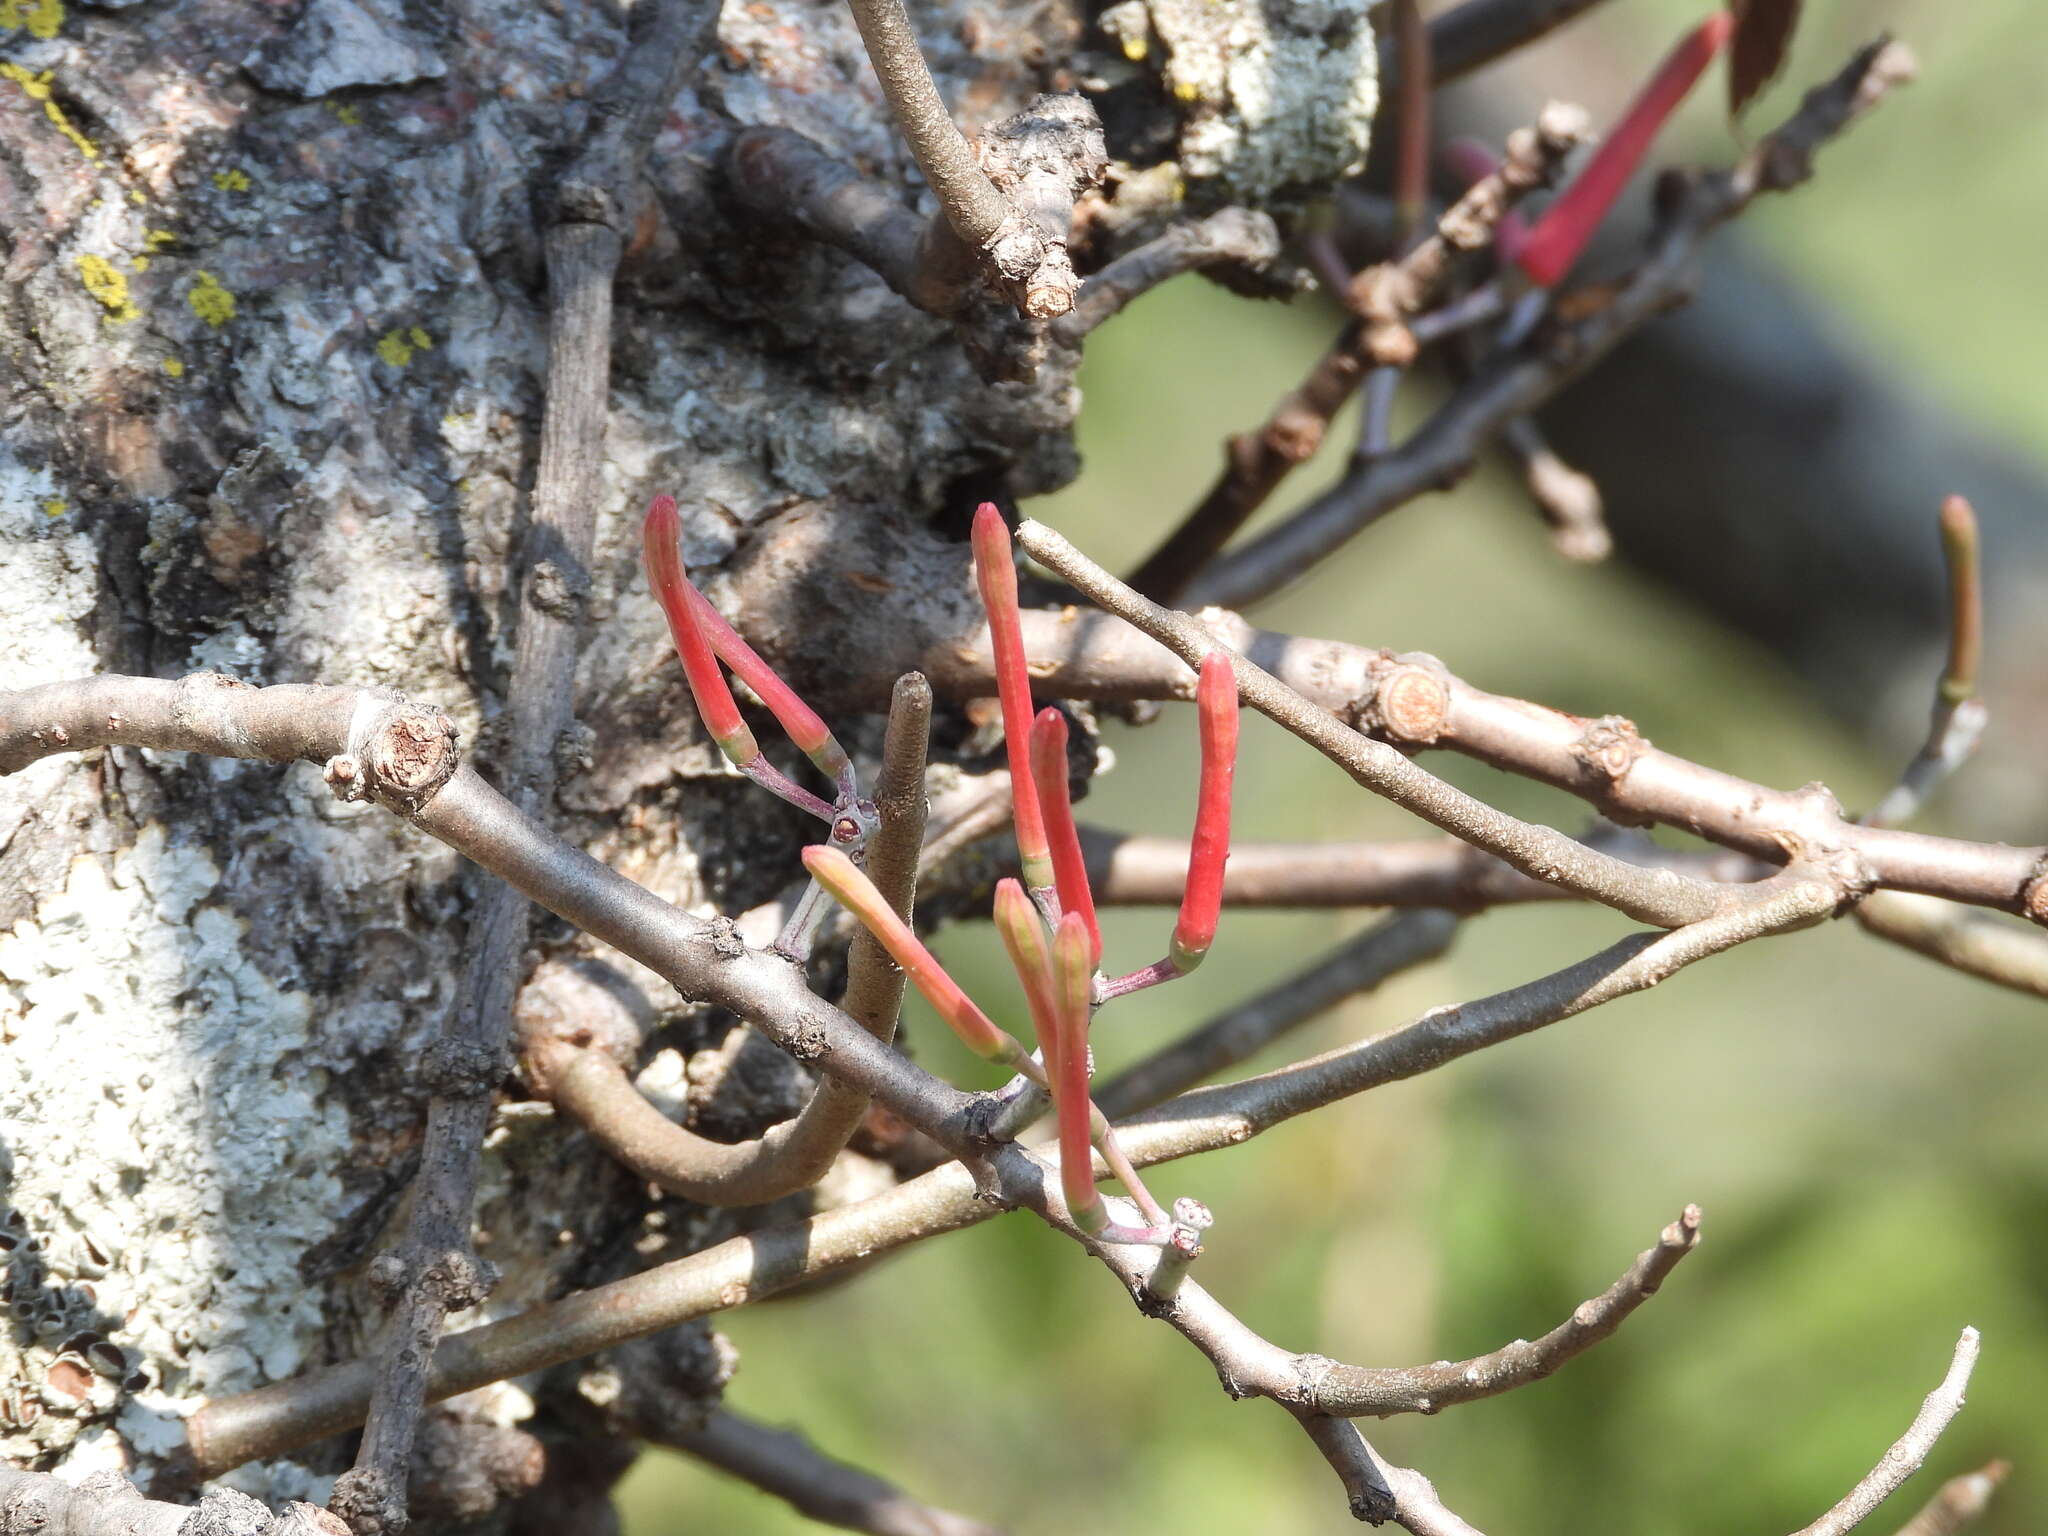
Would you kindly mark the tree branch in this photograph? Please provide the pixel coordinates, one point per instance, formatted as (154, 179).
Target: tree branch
(1358, 965)
(1230, 237)
(1971, 942)
(1133, 871)
(781, 1462)
(1908, 1451)
(1958, 1502)
(435, 1269)
(585, 1082)
(1446, 448)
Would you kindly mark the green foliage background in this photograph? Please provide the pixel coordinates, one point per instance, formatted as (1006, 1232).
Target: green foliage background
(1864, 1131)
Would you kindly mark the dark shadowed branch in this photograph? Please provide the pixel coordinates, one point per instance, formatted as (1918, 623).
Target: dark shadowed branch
(434, 1269)
(781, 1462)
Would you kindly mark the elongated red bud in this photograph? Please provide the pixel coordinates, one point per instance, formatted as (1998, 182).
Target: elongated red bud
(1049, 773)
(1073, 968)
(1023, 935)
(995, 571)
(660, 539)
(1965, 599)
(1201, 902)
(798, 720)
(844, 881)
(1561, 234)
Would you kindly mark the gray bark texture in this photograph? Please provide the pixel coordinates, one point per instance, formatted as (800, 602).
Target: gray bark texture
(272, 349)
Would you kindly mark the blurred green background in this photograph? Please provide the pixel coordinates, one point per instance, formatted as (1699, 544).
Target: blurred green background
(1864, 1130)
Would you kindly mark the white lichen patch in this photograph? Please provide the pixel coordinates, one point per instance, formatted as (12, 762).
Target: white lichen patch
(155, 1076)
(1277, 94)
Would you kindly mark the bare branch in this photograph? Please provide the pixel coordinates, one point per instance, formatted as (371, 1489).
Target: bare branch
(1445, 449)
(1352, 1390)
(1128, 870)
(1958, 1502)
(589, 1085)
(783, 1463)
(973, 207)
(1568, 498)
(1358, 965)
(1974, 943)
(1655, 896)
(1230, 237)
(1908, 1451)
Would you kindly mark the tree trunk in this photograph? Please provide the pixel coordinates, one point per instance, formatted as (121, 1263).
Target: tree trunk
(274, 344)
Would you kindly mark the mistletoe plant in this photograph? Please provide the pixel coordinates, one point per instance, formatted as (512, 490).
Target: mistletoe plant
(1047, 920)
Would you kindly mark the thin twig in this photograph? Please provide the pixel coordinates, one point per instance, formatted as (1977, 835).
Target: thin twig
(1975, 943)
(1959, 717)
(589, 1085)
(1358, 965)
(1958, 1503)
(1446, 447)
(1907, 1452)
(435, 1269)
(1416, 79)
(782, 1463)
(1133, 871)
(1230, 237)
(1568, 498)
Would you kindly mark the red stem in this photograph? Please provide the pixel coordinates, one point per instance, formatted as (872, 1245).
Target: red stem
(1569, 223)
(1202, 901)
(1024, 937)
(1073, 967)
(799, 721)
(995, 570)
(660, 536)
(1069, 869)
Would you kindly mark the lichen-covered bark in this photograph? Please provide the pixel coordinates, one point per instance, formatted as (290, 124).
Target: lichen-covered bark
(270, 366)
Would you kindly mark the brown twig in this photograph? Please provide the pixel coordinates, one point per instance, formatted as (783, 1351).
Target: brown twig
(1974, 943)
(1233, 237)
(1128, 870)
(1254, 464)
(589, 1085)
(1357, 965)
(1446, 447)
(1415, 79)
(435, 1269)
(1907, 1452)
(1958, 1503)
(781, 1462)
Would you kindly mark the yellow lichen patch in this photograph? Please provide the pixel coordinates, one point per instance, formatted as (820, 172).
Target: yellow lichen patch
(210, 302)
(173, 368)
(38, 88)
(139, 263)
(135, 196)
(156, 239)
(41, 17)
(56, 506)
(105, 283)
(419, 338)
(394, 348)
(1135, 48)
(347, 115)
(232, 181)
